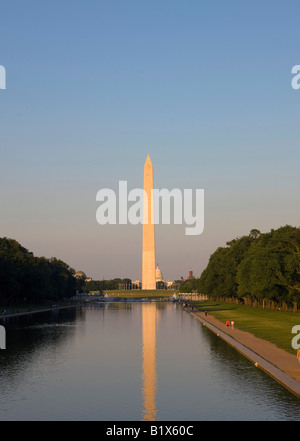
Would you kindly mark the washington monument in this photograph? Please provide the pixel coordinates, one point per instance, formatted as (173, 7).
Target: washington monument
(148, 268)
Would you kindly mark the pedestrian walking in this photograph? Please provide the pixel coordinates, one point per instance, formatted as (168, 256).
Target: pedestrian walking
(232, 324)
(227, 323)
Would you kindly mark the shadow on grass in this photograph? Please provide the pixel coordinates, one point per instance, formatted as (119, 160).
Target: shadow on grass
(205, 306)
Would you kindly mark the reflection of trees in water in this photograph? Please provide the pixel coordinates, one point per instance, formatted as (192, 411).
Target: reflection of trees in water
(124, 307)
(29, 337)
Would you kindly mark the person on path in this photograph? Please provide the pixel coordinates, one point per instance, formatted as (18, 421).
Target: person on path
(227, 323)
(232, 324)
(298, 355)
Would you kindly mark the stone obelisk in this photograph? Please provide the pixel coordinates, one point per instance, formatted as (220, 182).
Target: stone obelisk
(148, 270)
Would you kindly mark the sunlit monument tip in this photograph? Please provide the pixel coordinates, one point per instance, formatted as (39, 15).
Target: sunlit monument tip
(148, 263)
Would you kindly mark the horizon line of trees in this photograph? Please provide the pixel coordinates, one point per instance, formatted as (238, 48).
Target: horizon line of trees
(27, 279)
(261, 267)
(101, 285)
(116, 284)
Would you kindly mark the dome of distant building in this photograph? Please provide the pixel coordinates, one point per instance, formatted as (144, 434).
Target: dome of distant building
(158, 275)
(80, 274)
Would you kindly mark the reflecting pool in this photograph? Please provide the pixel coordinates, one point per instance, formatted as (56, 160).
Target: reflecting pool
(131, 361)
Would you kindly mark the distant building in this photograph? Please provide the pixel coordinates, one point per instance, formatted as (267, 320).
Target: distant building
(136, 284)
(158, 275)
(191, 275)
(82, 275)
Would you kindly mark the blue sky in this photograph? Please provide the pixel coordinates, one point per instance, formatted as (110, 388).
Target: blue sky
(204, 87)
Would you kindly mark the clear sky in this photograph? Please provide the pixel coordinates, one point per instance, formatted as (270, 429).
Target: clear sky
(93, 86)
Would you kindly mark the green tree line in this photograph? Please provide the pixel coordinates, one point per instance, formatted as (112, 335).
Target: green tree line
(258, 266)
(27, 279)
(102, 285)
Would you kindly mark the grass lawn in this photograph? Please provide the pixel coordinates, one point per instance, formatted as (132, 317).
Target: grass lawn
(142, 293)
(274, 326)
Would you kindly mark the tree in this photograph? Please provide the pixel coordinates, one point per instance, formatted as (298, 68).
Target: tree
(271, 267)
(219, 277)
(25, 278)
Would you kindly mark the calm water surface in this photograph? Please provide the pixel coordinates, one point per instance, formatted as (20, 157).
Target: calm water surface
(131, 361)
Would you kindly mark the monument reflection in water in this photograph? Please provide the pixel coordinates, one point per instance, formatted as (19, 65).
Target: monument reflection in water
(149, 361)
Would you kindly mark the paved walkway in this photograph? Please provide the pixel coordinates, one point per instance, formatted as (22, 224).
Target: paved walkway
(281, 365)
(36, 311)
